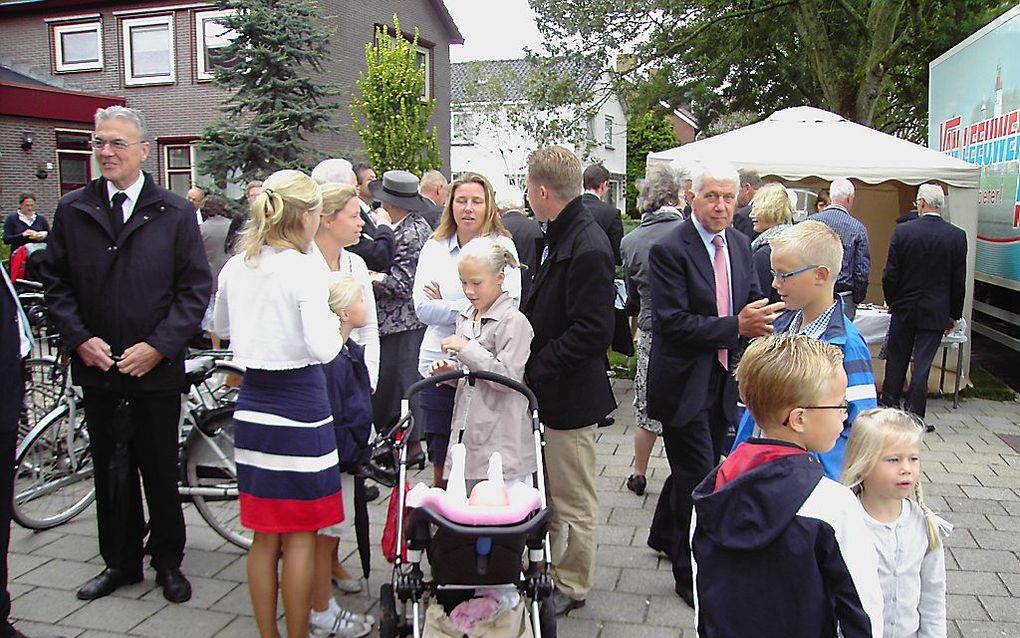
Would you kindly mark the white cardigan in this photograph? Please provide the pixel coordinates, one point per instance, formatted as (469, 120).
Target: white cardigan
(275, 311)
(913, 577)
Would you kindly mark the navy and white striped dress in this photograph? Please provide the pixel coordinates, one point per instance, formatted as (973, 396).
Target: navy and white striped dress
(275, 311)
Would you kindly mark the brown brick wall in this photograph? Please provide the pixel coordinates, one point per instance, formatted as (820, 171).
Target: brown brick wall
(184, 108)
(18, 166)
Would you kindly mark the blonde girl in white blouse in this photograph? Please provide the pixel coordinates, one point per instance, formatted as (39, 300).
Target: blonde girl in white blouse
(883, 467)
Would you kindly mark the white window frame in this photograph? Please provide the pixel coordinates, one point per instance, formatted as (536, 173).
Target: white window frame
(126, 25)
(93, 163)
(203, 74)
(167, 171)
(608, 133)
(462, 134)
(427, 52)
(58, 47)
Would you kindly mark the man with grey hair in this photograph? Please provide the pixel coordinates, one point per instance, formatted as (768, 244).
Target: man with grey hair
(705, 301)
(196, 196)
(335, 170)
(127, 283)
(924, 283)
(852, 282)
(433, 187)
(525, 232)
(377, 242)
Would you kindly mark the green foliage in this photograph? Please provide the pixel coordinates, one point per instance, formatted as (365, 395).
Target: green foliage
(390, 115)
(986, 386)
(647, 132)
(274, 102)
(865, 59)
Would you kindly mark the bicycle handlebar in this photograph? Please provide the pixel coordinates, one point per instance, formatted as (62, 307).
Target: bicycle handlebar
(492, 377)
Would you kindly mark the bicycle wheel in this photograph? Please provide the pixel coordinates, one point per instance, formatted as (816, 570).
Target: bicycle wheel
(212, 476)
(53, 470)
(45, 382)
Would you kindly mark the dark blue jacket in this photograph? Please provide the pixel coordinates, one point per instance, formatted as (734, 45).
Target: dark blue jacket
(14, 227)
(780, 551)
(350, 397)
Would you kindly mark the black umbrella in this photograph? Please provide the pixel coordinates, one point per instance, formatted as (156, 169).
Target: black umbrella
(361, 526)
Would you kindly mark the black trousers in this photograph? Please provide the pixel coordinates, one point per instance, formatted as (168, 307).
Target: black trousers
(906, 339)
(692, 450)
(154, 453)
(398, 369)
(8, 441)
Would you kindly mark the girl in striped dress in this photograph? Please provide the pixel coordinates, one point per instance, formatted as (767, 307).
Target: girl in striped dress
(272, 304)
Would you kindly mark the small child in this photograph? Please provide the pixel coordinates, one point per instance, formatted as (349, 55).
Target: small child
(350, 398)
(493, 336)
(805, 262)
(883, 467)
(778, 548)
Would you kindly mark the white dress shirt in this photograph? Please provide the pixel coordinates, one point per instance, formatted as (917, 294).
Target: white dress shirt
(132, 192)
(706, 236)
(275, 310)
(438, 262)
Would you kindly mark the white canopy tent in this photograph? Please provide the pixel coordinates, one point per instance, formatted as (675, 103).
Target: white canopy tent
(809, 147)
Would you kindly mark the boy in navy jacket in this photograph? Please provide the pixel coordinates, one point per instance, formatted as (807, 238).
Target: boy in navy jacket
(780, 550)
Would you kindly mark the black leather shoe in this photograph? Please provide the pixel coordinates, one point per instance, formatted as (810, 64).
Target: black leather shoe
(637, 484)
(108, 582)
(606, 422)
(563, 604)
(687, 594)
(371, 493)
(176, 587)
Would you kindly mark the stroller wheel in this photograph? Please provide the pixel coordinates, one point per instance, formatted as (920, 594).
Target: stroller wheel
(547, 619)
(389, 621)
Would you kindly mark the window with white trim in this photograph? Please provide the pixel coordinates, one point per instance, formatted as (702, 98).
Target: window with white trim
(78, 47)
(424, 59)
(149, 50)
(211, 38)
(179, 168)
(609, 131)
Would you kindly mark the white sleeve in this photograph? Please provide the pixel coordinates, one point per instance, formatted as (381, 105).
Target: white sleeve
(512, 278)
(932, 606)
(368, 336)
(857, 547)
(432, 312)
(221, 312)
(320, 327)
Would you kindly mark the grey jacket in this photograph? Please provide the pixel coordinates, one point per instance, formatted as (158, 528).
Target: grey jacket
(634, 249)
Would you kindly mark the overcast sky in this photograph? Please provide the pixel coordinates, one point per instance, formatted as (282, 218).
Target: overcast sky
(493, 30)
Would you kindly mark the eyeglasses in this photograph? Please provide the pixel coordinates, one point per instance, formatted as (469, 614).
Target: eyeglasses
(783, 276)
(844, 406)
(116, 145)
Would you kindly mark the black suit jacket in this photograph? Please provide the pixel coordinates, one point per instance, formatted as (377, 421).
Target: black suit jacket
(432, 214)
(150, 283)
(571, 312)
(926, 273)
(376, 245)
(527, 234)
(609, 220)
(687, 330)
(12, 382)
(742, 222)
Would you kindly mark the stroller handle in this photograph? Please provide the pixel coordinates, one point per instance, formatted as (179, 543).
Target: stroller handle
(492, 377)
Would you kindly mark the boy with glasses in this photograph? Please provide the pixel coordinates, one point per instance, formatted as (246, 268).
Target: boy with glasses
(778, 548)
(805, 262)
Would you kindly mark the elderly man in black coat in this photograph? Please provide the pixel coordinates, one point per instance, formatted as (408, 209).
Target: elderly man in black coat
(571, 311)
(127, 284)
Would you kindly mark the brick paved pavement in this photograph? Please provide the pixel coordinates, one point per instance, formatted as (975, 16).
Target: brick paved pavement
(973, 479)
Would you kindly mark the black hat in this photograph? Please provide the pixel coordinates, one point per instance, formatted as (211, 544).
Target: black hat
(399, 188)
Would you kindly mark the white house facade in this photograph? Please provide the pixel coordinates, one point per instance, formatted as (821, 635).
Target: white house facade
(484, 140)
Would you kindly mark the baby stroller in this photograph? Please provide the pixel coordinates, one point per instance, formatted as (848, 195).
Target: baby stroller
(462, 556)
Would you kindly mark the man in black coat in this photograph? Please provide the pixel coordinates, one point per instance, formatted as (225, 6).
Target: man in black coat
(377, 244)
(706, 302)
(750, 182)
(15, 345)
(924, 282)
(526, 233)
(571, 311)
(607, 216)
(127, 284)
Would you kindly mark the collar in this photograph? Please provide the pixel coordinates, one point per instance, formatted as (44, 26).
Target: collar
(835, 329)
(132, 191)
(706, 235)
(836, 207)
(496, 311)
(816, 328)
(451, 244)
(556, 229)
(28, 220)
(939, 215)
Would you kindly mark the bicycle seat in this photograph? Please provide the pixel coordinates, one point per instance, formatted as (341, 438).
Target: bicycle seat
(198, 369)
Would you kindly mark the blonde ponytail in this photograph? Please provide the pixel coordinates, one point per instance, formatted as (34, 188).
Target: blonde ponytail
(276, 214)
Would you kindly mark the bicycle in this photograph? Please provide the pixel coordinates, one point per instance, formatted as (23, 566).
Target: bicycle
(53, 463)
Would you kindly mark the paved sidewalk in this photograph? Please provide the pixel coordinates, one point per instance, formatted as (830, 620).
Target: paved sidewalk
(973, 479)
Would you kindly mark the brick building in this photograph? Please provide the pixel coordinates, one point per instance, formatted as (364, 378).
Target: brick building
(62, 59)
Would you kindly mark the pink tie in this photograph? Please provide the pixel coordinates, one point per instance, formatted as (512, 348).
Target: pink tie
(722, 292)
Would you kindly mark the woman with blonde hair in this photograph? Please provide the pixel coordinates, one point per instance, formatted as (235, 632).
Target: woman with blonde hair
(470, 212)
(883, 468)
(771, 214)
(272, 304)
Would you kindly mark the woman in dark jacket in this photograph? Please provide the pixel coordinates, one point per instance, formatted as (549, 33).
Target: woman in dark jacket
(25, 226)
(771, 214)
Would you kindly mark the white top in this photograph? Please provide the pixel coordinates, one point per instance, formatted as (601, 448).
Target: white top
(913, 577)
(275, 311)
(438, 262)
(368, 336)
(132, 192)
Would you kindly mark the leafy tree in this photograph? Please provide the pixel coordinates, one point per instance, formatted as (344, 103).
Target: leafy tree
(390, 115)
(274, 101)
(647, 132)
(865, 59)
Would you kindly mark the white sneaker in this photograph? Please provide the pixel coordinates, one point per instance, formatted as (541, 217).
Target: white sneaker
(347, 627)
(348, 586)
(338, 611)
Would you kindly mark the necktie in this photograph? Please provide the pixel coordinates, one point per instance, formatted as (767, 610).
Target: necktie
(722, 292)
(117, 212)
